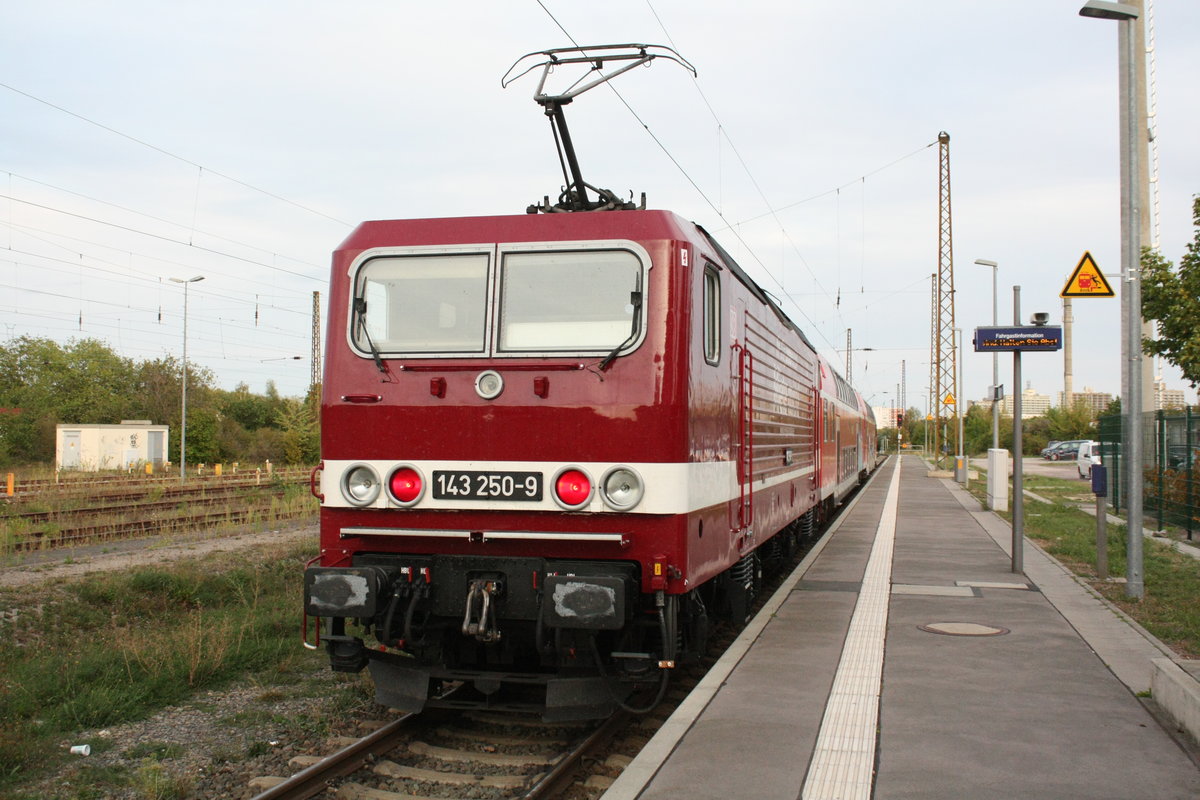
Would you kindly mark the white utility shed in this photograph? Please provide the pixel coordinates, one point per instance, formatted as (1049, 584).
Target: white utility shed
(91, 448)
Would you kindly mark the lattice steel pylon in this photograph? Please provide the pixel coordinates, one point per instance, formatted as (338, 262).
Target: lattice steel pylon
(315, 373)
(849, 358)
(944, 357)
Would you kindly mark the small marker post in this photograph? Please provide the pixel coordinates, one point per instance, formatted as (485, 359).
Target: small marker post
(1100, 489)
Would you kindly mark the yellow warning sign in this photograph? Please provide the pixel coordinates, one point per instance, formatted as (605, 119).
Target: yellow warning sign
(949, 401)
(1087, 280)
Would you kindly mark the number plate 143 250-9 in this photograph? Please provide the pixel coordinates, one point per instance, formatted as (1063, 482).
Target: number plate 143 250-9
(486, 485)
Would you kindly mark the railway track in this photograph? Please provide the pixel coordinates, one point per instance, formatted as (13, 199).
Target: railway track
(454, 753)
(450, 755)
(496, 755)
(204, 496)
(110, 510)
(113, 487)
(104, 531)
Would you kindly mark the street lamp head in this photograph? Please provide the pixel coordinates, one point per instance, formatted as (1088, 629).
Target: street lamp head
(187, 280)
(1101, 9)
(983, 262)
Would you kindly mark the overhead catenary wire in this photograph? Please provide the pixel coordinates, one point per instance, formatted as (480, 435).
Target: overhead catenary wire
(157, 236)
(127, 270)
(92, 322)
(175, 156)
(163, 220)
(128, 307)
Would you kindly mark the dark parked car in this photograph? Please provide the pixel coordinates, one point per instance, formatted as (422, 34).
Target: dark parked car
(1177, 457)
(1066, 451)
(1050, 445)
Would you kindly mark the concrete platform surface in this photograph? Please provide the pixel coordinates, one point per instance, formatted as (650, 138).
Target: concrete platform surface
(904, 659)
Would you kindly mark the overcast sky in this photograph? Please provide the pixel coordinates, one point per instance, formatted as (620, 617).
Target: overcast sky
(242, 141)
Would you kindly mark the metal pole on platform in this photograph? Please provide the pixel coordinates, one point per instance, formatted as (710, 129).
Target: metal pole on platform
(1131, 295)
(1018, 514)
(958, 406)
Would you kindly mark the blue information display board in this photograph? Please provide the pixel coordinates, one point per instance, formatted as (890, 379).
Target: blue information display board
(1032, 337)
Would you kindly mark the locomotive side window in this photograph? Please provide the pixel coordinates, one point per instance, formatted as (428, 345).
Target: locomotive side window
(712, 316)
(422, 304)
(575, 300)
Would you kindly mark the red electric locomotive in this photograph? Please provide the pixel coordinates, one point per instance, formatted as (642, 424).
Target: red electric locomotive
(554, 446)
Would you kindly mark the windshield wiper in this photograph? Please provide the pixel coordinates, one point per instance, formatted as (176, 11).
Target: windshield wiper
(360, 308)
(635, 298)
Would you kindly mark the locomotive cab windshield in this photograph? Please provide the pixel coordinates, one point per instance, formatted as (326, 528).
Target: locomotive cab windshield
(569, 301)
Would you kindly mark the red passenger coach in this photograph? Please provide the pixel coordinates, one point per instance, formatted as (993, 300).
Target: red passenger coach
(555, 446)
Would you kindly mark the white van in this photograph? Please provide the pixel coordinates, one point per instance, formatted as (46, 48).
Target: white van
(1089, 454)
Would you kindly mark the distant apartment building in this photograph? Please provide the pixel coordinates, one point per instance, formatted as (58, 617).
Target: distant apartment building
(1095, 401)
(885, 416)
(1168, 398)
(1032, 404)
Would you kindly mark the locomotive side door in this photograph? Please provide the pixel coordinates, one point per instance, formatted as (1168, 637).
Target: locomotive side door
(741, 365)
(818, 438)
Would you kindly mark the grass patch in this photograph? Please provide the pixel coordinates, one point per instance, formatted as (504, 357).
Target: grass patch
(1168, 608)
(117, 647)
(152, 781)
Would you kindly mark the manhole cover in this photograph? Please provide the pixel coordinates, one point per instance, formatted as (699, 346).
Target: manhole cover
(963, 629)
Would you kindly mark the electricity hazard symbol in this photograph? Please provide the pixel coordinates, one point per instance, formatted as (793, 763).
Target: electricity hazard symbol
(949, 401)
(1087, 280)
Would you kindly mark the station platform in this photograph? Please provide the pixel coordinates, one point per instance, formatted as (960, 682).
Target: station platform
(904, 659)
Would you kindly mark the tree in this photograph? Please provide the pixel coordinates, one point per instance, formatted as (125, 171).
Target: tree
(1035, 434)
(301, 434)
(83, 382)
(1173, 298)
(977, 429)
(1071, 423)
(251, 411)
(43, 384)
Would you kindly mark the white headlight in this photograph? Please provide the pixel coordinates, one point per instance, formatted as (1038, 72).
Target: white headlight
(489, 384)
(622, 488)
(360, 485)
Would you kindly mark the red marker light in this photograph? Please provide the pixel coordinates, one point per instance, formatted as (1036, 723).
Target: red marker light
(406, 485)
(573, 488)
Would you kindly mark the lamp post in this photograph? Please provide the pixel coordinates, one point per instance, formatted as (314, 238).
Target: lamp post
(1131, 296)
(183, 391)
(983, 262)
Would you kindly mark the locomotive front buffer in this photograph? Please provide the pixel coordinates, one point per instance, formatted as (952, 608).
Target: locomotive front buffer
(546, 627)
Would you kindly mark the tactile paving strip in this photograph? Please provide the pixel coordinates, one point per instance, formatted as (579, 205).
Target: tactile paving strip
(843, 762)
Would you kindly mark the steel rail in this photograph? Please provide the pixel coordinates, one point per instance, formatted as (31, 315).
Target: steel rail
(315, 779)
(560, 775)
